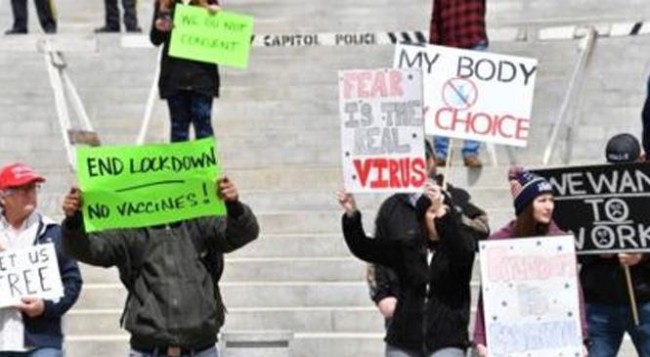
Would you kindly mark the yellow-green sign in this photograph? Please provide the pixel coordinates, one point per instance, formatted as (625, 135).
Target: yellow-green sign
(139, 186)
(222, 37)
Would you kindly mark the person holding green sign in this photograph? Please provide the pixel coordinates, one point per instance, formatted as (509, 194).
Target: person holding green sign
(187, 85)
(174, 306)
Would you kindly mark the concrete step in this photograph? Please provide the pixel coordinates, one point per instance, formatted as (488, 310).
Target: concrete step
(292, 269)
(485, 197)
(303, 345)
(323, 320)
(329, 221)
(112, 296)
(341, 294)
(255, 294)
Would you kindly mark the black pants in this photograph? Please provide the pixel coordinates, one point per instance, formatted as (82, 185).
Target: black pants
(45, 11)
(113, 14)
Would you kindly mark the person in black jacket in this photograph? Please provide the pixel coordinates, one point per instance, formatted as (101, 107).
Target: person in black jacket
(434, 270)
(174, 306)
(609, 314)
(188, 86)
(396, 220)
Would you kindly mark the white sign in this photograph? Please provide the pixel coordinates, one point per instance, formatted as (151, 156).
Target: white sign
(32, 272)
(382, 138)
(473, 94)
(530, 297)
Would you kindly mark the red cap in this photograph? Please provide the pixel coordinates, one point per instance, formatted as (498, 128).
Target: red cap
(17, 174)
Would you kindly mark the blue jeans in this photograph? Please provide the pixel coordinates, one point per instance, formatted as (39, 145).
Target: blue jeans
(39, 352)
(470, 147)
(607, 325)
(441, 143)
(210, 352)
(392, 351)
(187, 108)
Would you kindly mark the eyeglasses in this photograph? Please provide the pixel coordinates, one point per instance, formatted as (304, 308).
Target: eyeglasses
(23, 190)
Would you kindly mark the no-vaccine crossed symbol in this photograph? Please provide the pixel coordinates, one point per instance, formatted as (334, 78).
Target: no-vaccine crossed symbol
(459, 93)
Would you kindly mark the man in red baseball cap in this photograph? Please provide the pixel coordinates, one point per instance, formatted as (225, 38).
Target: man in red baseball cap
(32, 328)
(17, 174)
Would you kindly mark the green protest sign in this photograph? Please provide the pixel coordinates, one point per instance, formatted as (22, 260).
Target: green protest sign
(222, 38)
(138, 186)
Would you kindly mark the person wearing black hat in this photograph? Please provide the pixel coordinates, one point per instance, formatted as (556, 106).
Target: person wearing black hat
(609, 314)
(46, 16)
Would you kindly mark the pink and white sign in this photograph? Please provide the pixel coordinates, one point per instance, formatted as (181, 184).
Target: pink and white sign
(530, 297)
(382, 137)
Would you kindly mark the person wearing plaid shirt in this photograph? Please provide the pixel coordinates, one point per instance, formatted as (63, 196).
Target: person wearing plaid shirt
(461, 24)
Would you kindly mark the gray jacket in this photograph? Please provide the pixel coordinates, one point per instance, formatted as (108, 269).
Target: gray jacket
(171, 289)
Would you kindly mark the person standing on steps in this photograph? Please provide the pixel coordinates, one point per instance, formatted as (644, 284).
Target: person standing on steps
(460, 24)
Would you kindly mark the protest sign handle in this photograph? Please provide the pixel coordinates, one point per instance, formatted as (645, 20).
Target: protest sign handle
(628, 278)
(450, 157)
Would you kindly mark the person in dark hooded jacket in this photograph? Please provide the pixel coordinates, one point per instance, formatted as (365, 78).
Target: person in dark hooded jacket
(434, 271)
(609, 314)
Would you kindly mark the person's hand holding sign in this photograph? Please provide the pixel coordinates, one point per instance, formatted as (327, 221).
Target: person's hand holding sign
(72, 202)
(434, 192)
(347, 202)
(213, 9)
(629, 259)
(226, 190)
(31, 306)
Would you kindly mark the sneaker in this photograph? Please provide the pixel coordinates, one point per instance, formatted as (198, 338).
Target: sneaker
(441, 161)
(15, 31)
(107, 29)
(472, 162)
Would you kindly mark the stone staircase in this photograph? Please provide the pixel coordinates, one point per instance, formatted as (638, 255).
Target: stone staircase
(278, 131)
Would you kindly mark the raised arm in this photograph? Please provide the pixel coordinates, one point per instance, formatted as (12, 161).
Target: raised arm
(383, 252)
(161, 25)
(240, 225)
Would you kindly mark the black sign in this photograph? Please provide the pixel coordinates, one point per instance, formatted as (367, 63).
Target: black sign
(607, 208)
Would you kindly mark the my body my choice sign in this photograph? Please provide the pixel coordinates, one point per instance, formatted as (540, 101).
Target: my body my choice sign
(138, 186)
(221, 38)
(32, 272)
(472, 94)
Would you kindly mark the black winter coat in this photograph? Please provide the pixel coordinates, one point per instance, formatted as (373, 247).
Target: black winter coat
(433, 303)
(603, 280)
(177, 74)
(397, 220)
